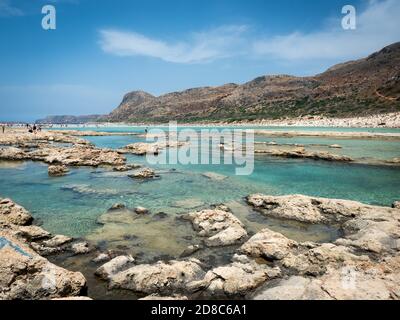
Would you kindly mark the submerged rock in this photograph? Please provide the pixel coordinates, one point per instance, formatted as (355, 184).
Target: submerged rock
(57, 170)
(214, 176)
(190, 203)
(221, 228)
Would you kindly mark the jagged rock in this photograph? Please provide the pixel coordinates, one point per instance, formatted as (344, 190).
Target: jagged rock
(144, 174)
(114, 266)
(78, 155)
(310, 209)
(25, 275)
(127, 167)
(13, 154)
(238, 278)
(221, 228)
(269, 245)
(32, 233)
(366, 281)
(162, 277)
(302, 153)
(12, 213)
(396, 205)
(57, 241)
(57, 170)
(316, 260)
(142, 148)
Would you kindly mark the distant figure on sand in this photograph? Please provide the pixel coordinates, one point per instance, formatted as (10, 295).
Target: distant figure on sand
(3, 127)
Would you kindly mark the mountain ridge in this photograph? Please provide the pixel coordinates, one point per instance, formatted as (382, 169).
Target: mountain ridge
(361, 87)
(370, 85)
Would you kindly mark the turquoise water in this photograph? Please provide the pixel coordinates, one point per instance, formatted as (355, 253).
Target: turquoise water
(355, 148)
(72, 205)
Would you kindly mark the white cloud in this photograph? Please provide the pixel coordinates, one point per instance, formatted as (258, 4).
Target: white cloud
(377, 26)
(6, 9)
(201, 47)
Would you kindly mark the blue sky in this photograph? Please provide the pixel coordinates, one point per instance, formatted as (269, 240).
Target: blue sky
(103, 49)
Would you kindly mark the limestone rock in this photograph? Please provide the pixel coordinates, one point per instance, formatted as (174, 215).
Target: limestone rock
(190, 250)
(162, 277)
(142, 149)
(114, 266)
(13, 154)
(25, 275)
(221, 228)
(269, 245)
(309, 209)
(57, 170)
(12, 213)
(236, 279)
(146, 173)
(80, 248)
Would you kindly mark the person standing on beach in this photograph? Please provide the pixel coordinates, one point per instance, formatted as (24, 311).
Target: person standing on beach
(3, 127)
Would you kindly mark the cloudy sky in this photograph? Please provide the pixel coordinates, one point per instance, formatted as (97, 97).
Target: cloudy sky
(102, 49)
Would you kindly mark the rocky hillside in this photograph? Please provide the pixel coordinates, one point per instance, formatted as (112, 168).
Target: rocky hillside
(69, 119)
(363, 87)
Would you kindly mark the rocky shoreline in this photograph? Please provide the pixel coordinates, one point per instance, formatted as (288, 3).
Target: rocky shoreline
(362, 262)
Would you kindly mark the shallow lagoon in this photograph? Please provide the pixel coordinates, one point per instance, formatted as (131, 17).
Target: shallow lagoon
(75, 205)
